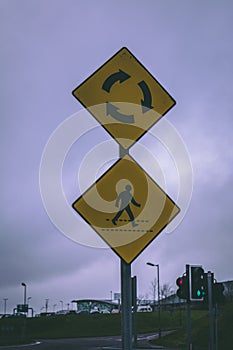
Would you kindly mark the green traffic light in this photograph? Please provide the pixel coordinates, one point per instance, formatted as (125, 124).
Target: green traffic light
(200, 293)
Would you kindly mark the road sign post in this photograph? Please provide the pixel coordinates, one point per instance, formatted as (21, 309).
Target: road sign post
(126, 296)
(126, 306)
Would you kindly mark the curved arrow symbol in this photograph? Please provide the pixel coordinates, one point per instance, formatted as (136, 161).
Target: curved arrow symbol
(146, 103)
(113, 111)
(113, 78)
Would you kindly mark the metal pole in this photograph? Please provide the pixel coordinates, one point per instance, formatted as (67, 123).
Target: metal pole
(46, 305)
(210, 298)
(188, 315)
(25, 293)
(5, 300)
(28, 300)
(157, 265)
(126, 301)
(216, 326)
(159, 323)
(188, 323)
(126, 293)
(134, 302)
(123, 151)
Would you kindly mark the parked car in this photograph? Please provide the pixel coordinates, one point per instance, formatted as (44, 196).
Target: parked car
(71, 312)
(115, 311)
(61, 312)
(144, 308)
(105, 311)
(82, 312)
(17, 314)
(6, 315)
(47, 314)
(95, 310)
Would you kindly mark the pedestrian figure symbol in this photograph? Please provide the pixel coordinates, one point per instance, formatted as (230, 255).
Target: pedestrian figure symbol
(124, 199)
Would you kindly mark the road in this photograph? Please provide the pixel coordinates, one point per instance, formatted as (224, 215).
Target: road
(95, 343)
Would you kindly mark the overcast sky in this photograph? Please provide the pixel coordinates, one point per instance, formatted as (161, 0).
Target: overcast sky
(48, 47)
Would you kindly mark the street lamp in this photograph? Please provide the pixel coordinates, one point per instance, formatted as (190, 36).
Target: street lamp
(25, 292)
(61, 301)
(46, 305)
(28, 300)
(5, 300)
(157, 265)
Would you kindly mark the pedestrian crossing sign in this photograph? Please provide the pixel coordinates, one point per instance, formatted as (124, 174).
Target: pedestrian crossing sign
(127, 208)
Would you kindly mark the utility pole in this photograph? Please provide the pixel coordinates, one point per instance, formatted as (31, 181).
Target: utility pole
(210, 279)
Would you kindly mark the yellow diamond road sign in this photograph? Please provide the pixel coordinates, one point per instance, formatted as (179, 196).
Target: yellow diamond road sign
(126, 208)
(124, 97)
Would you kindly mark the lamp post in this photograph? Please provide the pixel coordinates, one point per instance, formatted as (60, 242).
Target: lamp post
(46, 305)
(25, 292)
(157, 265)
(29, 298)
(5, 300)
(61, 301)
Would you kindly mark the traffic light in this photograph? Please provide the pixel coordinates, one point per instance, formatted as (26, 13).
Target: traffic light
(134, 292)
(198, 289)
(183, 291)
(218, 296)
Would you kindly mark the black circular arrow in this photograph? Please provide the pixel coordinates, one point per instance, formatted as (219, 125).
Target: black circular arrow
(146, 103)
(113, 111)
(113, 78)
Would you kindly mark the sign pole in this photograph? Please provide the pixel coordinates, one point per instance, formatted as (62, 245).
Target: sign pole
(126, 301)
(126, 294)
(121, 68)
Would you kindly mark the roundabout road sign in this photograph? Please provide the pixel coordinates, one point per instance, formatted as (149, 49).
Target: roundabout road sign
(124, 97)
